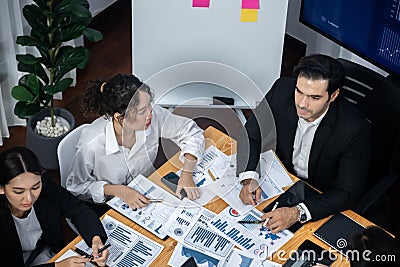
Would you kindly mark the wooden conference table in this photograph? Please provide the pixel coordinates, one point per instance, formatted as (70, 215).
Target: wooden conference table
(228, 146)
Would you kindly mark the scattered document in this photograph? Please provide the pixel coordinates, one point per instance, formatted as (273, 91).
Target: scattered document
(255, 239)
(128, 247)
(270, 166)
(155, 215)
(189, 225)
(229, 190)
(182, 253)
(239, 258)
(214, 166)
(71, 253)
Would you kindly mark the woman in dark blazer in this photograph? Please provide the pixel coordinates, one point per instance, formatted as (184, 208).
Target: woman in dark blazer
(32, 208)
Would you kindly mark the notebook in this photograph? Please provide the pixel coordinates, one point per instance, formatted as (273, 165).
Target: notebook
(337, 231)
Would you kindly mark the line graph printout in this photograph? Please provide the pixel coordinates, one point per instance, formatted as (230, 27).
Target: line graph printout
(254, 239)
(189, 225)
(155, 215)
(128, 247)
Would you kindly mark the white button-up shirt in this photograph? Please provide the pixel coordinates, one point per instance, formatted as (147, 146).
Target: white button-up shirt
(302, 144)
(99, 160)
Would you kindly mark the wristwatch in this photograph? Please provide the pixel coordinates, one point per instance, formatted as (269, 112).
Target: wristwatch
(302, 214)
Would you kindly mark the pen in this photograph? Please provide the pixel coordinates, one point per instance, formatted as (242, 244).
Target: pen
(104, 248)
(274, 208)
(83, 253)
(156, 200)
(251, 222)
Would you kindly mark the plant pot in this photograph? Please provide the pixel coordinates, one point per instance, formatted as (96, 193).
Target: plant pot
(44, 147)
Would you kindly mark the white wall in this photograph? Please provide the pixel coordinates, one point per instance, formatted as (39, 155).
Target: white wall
(96, 6)
(316, 43)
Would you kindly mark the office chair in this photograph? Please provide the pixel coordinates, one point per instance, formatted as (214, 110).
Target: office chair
(65, 152)
(379, 100)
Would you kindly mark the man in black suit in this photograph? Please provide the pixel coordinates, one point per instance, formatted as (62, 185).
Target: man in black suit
(320, 137)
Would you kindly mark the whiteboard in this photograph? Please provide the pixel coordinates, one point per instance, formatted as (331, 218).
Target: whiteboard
(169, 34)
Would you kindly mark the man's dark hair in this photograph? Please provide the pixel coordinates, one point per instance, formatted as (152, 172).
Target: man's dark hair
(321, 67)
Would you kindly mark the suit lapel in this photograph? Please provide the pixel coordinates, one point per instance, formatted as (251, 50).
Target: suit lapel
(321, 135)
(11, 238)
(288, 133)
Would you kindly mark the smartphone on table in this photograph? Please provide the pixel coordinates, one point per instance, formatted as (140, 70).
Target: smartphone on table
(171, 181)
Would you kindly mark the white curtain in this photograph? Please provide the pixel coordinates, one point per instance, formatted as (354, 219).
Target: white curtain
(10, 27)
(12, 24)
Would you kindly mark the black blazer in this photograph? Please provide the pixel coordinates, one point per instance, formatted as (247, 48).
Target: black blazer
(53, 205)
(340, 152)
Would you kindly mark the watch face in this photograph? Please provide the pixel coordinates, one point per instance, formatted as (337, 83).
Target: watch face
(303, 217)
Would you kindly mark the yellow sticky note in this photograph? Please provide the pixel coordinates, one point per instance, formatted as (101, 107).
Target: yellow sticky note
(249, 15)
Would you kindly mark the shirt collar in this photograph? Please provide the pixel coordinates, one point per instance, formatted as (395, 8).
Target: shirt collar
(111, 139)
(316, 122)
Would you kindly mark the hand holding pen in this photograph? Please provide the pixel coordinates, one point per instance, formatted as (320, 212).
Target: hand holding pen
(264, 221)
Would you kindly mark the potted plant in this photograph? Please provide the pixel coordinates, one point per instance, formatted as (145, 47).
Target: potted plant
(53, 23)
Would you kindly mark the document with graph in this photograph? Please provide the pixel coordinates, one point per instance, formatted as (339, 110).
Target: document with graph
(189, 225)
(128, 247)
(155, 215)
(255, 239)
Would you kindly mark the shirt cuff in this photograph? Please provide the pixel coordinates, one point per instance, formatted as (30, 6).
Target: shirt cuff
(97, 192)
(249, 175)
(308, 214)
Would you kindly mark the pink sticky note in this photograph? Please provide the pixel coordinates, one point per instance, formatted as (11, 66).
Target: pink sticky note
(201, 3)
(250, 4)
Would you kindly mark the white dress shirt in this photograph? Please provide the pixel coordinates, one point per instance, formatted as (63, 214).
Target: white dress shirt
(301, 150)
(302, 144)
(99, 160)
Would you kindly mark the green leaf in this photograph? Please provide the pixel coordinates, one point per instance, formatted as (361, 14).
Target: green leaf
(31, 82)
(66, 5)
(24, 110)
(35, 69)
(35, 18)
(58, 87)
(40, 37)
(70, 58)
(71, 32)
(93, 35)
(27, 59)
(27, 41)
(22, 94)
(41, 3)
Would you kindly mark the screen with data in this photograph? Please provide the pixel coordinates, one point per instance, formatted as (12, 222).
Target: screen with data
(368, 28)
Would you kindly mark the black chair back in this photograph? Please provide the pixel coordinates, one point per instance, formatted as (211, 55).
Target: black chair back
(379, 100)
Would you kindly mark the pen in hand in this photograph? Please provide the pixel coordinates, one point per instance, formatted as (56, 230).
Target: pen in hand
(104, 248)
(251, 222)
(274, 208)
(155, 200)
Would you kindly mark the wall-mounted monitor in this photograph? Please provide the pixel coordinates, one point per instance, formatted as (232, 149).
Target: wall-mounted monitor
(368, 28)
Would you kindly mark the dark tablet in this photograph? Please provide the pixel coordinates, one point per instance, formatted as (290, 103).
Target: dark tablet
(309, 254)
(171, 180)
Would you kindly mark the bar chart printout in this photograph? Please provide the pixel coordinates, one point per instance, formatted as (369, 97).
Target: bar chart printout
(128, 247)
(253, 238)
(155, 215)
(189, 225)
